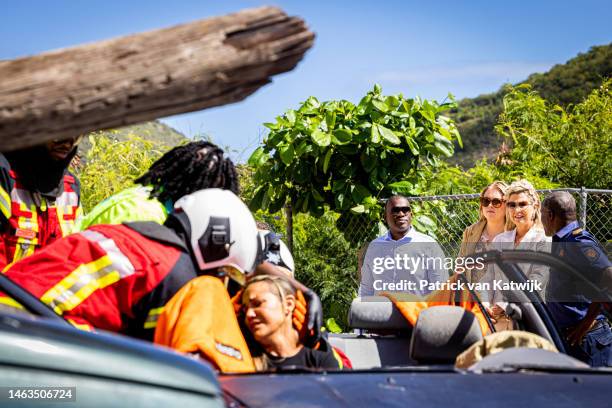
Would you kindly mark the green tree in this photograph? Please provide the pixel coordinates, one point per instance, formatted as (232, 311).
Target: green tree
(325, 263)
(342, 156)
(564, 84)
(571, 146)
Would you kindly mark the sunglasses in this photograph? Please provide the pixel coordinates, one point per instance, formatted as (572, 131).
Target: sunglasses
(487, 201)
(520, 204)
(397, 210)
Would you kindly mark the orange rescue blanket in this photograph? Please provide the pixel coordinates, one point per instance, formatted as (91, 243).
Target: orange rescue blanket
(188, 324)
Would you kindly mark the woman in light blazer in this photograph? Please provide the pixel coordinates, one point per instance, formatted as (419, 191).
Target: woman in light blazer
(524, 231)
(479, 236)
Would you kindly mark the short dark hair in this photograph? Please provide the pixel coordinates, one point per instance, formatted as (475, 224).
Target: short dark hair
(189, 168)
(395, 197)
(562, 204)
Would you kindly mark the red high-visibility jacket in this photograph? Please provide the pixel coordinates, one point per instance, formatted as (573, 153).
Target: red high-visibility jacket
(111, 277)
(29, 220)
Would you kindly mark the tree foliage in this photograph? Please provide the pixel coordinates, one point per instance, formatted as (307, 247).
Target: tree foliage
(111, 165)
(324, 264)
(563, 84)
(571, 146)
(345, 157)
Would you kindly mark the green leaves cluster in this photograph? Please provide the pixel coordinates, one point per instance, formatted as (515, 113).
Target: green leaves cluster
(345, 156)
(564, 84)
(111, 165)
(570, 146)
(324, 264)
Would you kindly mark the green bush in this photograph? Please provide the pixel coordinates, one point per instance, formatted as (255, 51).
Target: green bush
(111, 165)
(342, 157)
(570, 146)
(326, 262)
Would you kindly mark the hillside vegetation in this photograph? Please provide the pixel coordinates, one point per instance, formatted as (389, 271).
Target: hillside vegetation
(563, 84)
(153, 131)
(112, 159)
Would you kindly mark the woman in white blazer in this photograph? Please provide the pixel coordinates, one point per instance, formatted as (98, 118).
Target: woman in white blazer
(524, 231)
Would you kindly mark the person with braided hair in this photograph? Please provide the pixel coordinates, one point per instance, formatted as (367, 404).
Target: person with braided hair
(184, 169)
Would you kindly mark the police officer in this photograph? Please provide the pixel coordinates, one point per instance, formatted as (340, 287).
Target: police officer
(586, 330)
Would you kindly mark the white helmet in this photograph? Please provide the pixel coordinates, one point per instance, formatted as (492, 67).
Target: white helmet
(274, 250)
(222, 230)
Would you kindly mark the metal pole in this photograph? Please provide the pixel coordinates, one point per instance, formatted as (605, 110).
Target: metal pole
(583, 208)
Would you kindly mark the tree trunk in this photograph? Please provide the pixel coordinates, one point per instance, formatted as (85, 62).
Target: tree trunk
(289, 215)
(133, 79)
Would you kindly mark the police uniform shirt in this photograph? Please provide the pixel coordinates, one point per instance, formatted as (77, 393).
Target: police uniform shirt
(580, 249)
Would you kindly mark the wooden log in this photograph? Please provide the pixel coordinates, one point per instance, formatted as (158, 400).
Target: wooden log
(132, 79)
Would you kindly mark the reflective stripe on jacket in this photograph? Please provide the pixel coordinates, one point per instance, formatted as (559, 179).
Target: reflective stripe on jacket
(110, 277)
(31, 220)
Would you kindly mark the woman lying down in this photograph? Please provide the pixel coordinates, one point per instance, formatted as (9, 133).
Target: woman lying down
(268, 304)
(203, 321)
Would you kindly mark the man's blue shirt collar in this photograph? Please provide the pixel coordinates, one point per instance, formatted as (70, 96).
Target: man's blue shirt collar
(567, 229)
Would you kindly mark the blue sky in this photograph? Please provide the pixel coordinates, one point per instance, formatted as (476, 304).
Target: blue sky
(414, 47)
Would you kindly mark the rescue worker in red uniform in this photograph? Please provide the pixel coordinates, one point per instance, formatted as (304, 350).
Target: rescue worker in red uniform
(120, 277)
(39, 198)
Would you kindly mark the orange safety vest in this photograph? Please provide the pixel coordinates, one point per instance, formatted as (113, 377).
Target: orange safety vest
(201, 319)
(34, 220)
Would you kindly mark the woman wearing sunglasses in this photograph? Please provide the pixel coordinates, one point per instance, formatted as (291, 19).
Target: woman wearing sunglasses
(524, 231)
(478, 237)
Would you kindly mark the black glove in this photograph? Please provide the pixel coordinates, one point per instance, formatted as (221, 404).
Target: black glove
(314, 318)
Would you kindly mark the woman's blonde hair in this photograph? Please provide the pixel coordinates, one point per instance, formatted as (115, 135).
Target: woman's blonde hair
(283, 288)
(524, 186)
(497, 185)
(282, 285)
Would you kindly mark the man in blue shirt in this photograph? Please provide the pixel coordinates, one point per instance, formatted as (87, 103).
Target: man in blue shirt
(576, 314)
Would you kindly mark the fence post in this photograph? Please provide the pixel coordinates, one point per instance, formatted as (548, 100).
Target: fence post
(583, 208)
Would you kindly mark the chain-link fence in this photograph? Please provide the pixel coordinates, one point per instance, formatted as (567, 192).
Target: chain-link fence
(596, 214)
(327, 249)
(451, 214)
(445, 218)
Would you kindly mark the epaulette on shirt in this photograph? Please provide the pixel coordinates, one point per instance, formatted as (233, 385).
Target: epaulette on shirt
(577, 231)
